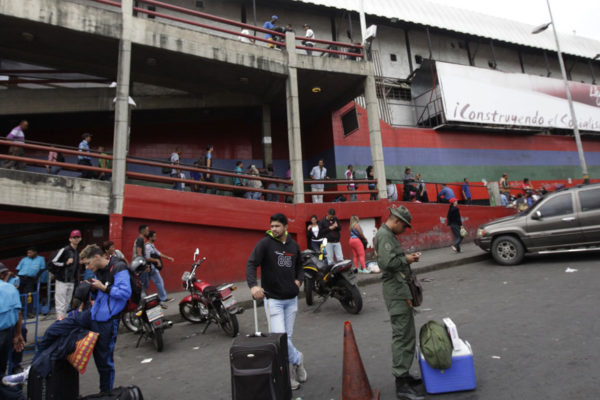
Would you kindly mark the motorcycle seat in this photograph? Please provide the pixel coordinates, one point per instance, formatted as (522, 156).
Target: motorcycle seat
(209, 289)
(341, 266)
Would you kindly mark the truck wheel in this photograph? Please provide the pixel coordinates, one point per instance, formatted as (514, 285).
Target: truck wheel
(508, 250)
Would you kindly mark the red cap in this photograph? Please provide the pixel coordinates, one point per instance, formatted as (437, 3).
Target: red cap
(452, 200)
(74, 233)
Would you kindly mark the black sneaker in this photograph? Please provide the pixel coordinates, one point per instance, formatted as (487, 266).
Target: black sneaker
(413, 380)
(405, 391)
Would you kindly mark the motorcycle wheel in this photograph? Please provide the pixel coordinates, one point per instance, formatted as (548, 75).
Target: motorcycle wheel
(157, 337)
(228, 322)
(350, 297)
(191, 313)
(308, 290)
(131, 322)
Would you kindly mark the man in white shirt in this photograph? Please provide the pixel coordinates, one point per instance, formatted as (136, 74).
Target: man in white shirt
(392, 191)
(319, 172)
(310, 34)
(176, 173)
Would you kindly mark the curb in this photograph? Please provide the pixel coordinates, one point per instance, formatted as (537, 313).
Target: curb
(369, 280)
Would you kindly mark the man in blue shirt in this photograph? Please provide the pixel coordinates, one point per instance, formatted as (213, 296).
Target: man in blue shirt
(466, 191)
(270, 25)
(11, 321)
(84, 147)
(30, 268)
(112, 288)
(445, 194)
(239, 169)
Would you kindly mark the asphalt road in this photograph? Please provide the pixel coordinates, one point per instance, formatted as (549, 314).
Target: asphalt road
(534, 330)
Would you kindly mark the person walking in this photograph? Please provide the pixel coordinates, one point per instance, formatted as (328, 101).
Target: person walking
(319, 172)
(104, 163)
(314, 234)
(371, 186)
(154, 258)
(455, 223)
(310, 34)
(271, 24)
(356, 244)
(395, 268)
(17, 134)
(331, 228)
(278, 256)
(84, 147)
(66, 273)
(466, 191)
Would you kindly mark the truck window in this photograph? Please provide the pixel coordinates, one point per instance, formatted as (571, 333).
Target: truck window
(559, 205)
(589, 199)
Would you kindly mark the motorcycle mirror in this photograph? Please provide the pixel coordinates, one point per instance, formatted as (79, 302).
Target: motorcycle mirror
(196, 253)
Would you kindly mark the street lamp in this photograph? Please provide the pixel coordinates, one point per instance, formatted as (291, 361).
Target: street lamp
(541, 28)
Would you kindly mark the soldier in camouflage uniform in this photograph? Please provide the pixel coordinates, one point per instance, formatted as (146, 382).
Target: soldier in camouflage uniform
(395, 267)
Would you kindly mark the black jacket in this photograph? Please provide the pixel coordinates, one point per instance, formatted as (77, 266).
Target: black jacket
(280, 266)
(332, 235)
(311, 236)
(454, 216)
(66, 273)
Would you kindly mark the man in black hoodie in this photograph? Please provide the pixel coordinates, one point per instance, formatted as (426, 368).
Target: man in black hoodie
(66, 274)
(278, 256)
(331, 227)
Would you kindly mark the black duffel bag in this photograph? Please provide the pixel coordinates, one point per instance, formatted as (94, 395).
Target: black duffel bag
(120, 393)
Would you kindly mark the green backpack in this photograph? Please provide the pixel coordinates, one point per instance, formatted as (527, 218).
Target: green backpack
(435, 345)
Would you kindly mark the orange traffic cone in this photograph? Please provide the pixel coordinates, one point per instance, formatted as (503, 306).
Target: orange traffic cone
(355, 384)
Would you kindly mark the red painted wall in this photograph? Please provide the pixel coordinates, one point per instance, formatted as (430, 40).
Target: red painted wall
(226, 229)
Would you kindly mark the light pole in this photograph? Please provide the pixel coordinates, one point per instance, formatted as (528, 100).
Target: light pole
(541, 28)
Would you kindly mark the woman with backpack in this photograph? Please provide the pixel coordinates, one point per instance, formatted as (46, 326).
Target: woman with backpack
(455, 224)
(358, 243)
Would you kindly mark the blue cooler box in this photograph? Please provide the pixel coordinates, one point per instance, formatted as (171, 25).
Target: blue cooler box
(460, 376)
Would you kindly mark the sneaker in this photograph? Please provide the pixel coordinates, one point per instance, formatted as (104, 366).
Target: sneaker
(168, 300)
(365, 271)
(454, 249)
(294, 384)
(163, 306)
(300, 370)
(16, 379)
(405, 391)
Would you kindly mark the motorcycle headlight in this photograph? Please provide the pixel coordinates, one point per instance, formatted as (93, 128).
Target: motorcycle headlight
(480, 232)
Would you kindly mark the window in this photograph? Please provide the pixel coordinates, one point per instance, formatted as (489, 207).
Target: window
(393, 57)
(559, 205)
(350, 122)
(400, 93)
(589, 199)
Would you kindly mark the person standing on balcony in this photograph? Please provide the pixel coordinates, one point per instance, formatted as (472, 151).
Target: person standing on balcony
(271, 25)
(17, 134)
(239, 169)
(319, 172)
(104, 163)
(445, 194)
(421, 190)
(207, 162)
(351, 185)
(84, 147)
(310, 34)
(176, 172)
(54, 156)
(244, 39)
(371, 186)
(466, 191)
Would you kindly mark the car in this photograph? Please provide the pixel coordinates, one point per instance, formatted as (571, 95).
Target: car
(565, 221)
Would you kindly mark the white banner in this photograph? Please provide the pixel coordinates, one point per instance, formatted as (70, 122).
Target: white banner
(489, 97)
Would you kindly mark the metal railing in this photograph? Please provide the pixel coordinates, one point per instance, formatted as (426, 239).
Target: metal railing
(214, 18)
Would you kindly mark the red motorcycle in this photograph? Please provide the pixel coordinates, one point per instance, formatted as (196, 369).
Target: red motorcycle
(207, 303)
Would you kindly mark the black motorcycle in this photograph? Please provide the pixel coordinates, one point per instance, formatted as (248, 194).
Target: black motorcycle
(330, 280)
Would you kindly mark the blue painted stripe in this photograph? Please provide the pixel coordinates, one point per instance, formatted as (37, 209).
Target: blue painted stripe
(361, 155)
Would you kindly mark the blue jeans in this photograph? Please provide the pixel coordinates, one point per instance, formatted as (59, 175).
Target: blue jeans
(154, 274)
(283, 315)
(334, 249)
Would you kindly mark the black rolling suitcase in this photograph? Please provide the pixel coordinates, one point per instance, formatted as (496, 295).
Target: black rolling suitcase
(61, 384)
(260, 366)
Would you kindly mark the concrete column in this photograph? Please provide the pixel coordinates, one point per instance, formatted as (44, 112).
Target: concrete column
(121, 132)
(293, 120)
(375, 132)
(266, 135)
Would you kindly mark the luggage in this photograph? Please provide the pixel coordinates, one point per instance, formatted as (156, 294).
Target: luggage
(260, 366)
(119, 393)
(61, 384)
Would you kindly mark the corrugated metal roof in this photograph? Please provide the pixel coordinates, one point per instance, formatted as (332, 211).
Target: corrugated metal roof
(467, 22)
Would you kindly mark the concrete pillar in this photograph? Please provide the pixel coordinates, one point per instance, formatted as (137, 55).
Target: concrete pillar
(266, 135)
(375, 132)
(121, 132)
(293, 120)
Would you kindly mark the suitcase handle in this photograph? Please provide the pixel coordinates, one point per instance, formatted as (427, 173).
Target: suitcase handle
(256, 331)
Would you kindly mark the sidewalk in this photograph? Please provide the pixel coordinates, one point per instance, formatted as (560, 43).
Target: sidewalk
(431, 260)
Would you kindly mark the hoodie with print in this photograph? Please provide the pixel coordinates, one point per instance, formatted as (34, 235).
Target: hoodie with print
(280, 266)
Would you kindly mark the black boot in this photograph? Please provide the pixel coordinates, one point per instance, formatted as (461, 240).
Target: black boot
(406, 391)
(413, 381)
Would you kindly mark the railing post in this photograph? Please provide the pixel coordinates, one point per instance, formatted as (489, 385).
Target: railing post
(121, 130)
(375, 130)
(293, 119)
(266, 135)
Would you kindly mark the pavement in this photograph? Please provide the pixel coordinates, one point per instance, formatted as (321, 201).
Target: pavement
(431, 260)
